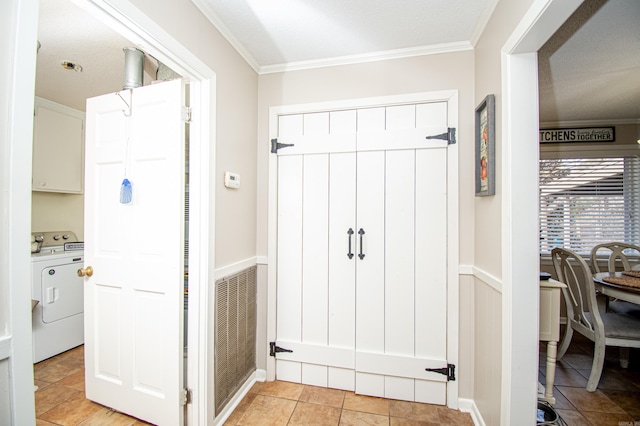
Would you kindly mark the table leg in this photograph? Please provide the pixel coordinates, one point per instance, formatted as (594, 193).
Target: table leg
(552, 352)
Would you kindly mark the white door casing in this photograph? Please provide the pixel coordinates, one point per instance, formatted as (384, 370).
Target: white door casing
(341, 337)
(133, 301)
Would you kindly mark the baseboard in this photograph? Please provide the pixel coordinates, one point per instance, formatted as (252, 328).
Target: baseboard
(469, 406)
(237, 398)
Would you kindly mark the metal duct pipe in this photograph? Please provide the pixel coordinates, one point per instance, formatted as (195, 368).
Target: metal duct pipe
(133, 67)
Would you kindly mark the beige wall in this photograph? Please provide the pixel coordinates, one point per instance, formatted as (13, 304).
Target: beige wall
(237, 85)
(488, 256)
(410, 75)
(51, 211)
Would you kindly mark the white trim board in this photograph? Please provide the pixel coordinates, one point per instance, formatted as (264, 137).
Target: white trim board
(257, 376)
(234, 268)
(493, 282)
(520, 205)
(469, 406)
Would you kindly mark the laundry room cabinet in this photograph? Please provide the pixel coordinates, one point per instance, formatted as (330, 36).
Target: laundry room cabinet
(362, 250)
(58, 148)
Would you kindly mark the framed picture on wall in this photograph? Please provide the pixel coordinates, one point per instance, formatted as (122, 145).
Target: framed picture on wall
(485, 129)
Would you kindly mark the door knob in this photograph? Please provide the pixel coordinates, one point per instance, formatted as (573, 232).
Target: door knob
(85, 272)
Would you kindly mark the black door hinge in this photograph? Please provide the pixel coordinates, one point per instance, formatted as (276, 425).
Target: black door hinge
(450, 136)
(273, 349)
(449, 371)
(275, 145)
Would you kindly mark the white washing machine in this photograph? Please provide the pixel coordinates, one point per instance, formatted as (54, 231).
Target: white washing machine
(58, 316)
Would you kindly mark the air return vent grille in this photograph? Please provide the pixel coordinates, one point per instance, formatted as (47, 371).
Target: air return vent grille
(235, 334)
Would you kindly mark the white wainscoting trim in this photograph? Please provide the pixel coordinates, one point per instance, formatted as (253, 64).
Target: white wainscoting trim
(465, 269)
(5, 347)
(469, 406)
(262, 260)
(234, 268)
(488, 279)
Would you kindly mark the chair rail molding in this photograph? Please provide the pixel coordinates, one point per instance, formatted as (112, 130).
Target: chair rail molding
(492, 281)
(234, 268)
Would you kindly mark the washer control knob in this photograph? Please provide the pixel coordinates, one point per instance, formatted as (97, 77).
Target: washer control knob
(65, 236)
(85, 272)
(56, 237)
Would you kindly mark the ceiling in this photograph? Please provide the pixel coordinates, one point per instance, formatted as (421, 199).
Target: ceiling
(589, 71)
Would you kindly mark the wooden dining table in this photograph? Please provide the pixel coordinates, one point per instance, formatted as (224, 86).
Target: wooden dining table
(621, 292)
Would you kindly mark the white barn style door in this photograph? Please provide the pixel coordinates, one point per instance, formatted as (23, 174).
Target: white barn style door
(362, 243)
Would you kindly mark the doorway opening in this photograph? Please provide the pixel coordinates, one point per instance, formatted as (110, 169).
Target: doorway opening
(140, 31)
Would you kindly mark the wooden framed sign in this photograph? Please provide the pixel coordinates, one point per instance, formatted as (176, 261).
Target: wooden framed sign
(578, 135)
(486, 147)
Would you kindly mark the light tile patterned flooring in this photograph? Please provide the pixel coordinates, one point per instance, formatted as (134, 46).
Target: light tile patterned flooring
(60, 398)
(284, 403)
(616, 401)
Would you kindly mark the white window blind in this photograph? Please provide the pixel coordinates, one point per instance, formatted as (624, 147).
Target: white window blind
(588, 201)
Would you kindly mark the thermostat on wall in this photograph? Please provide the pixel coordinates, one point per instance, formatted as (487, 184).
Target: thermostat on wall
(231, 180)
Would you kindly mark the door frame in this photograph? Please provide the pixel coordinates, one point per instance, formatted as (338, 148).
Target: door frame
(519, 169)
(451, 97)
(137, 27)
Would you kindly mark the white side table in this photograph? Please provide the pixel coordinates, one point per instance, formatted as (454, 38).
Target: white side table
(550, 332)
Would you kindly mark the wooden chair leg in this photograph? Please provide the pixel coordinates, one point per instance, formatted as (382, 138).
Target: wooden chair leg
(566, 341)
(596, 367)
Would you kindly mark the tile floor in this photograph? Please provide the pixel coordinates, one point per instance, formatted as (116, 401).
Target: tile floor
(284, 403)
(60, 398)
(616, 402)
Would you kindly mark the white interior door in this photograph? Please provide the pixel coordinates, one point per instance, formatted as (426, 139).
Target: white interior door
(133, 302)
(362, 250)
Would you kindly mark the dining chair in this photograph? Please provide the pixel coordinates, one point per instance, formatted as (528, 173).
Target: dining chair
(618, 260)
(602, 328)
(622, 257)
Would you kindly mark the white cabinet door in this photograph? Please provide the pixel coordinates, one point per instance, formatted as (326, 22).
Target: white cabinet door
(58, 148)
(362, 235)
(134, 300)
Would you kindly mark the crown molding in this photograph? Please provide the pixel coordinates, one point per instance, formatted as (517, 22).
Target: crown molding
(483, 21)
(206, 9)
(368, 57)
(208, 12)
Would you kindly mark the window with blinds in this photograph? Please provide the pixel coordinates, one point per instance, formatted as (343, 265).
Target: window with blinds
(588, 201)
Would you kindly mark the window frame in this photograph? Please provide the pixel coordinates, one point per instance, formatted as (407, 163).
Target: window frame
(571, 151)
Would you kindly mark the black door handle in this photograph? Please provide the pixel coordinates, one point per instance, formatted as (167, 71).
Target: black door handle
(361, 233)
(350, 233)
